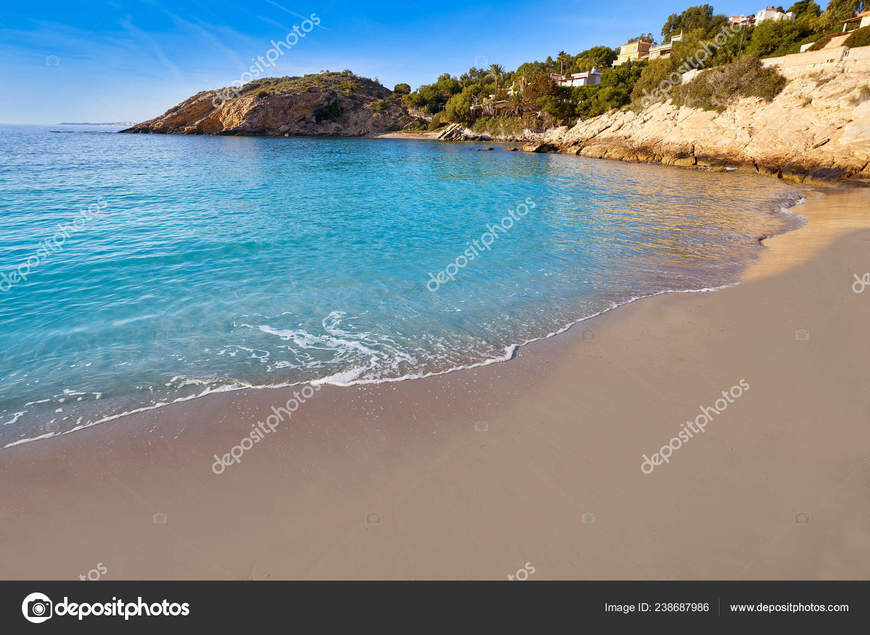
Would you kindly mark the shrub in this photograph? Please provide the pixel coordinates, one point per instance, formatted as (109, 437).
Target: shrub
(818, 45)
(458, 107)
(820, 78)
(771, 39)
(862, 96)
(329, 112)
(402, 89)
(614, 91)
(437, 121)
(500, 125)
(859, 37)
(430, 98)
(379, 105)
(714, 89)
(652, 77)
(541, 85)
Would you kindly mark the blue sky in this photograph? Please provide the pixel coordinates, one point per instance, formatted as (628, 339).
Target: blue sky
(131, 60)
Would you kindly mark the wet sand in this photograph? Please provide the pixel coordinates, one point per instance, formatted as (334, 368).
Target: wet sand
(476, 473)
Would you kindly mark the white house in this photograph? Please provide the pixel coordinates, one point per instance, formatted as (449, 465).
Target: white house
(743, 20)
(589, 78)
(772, 14)
(859, 21)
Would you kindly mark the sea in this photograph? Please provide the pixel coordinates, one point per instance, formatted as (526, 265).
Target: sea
(140, 270)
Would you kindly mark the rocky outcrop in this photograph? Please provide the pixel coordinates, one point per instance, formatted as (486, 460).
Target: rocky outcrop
(453, 132)
(339, 104)
(817, 128)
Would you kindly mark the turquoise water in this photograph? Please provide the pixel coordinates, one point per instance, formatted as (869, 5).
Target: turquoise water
(209, 263)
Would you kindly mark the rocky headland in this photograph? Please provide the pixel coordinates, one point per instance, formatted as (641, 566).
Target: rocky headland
(339, 104)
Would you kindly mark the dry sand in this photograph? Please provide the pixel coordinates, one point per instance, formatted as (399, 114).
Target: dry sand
(427, 136)
(476, 473)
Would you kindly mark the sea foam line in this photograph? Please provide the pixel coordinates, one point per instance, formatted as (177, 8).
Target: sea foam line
(510, 352)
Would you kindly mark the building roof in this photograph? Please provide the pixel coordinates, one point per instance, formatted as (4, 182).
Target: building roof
(861, 15)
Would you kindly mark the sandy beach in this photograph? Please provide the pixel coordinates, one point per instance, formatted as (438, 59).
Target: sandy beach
(534, 464)
(420, 136)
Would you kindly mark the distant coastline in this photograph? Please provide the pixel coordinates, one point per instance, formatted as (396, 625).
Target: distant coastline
(92, 123)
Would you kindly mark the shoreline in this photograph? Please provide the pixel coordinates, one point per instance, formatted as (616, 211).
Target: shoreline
(441, 477)
(510, 352)
(549, 142)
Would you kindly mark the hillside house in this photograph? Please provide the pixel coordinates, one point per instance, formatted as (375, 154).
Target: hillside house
(663, 51)
(633, 52)
(741, 20)
(589, 78)
(772, 14)
(858, 22)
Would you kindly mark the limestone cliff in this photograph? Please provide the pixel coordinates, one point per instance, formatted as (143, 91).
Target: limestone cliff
(326, 104)
(817, 128)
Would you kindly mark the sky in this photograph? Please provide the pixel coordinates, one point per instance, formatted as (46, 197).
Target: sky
(102, 61)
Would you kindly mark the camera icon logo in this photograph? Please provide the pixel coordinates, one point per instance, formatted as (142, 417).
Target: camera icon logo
(36, 608)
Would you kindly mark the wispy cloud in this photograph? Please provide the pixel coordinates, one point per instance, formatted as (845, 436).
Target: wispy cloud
(293, 13)
(149, 42)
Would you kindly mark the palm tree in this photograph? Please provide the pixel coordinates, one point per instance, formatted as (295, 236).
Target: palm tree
(564, 60)
(496, 71)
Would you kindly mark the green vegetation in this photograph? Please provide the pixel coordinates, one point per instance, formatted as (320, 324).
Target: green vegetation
(859, 37)
(694, 51)
(458, 107)
(505, 102)
(821, 43)
(507, 125)
(615, 90)
(692, 19)
(527, 97)
(432, 98)
(599, 57)
(772, 39)
(345, 82)
(329, 112)
(715, 88)
(831, 19)
(805, 8)
(437, 121)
